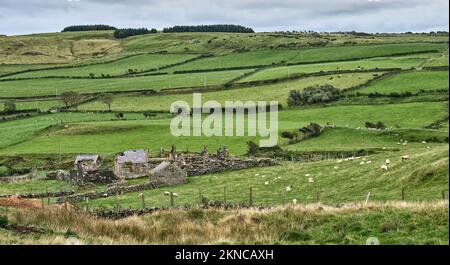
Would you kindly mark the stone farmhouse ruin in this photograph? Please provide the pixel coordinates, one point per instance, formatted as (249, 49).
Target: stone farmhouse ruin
(132, 164)
(170, 168)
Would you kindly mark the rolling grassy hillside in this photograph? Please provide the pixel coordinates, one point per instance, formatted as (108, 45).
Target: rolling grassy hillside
(410, 82)
(278, 92)
(404, 62)
(56, 86)
(269, 57)
(138, 63)
(114, 136)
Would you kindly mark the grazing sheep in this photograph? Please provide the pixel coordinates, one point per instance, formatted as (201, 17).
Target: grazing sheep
(289, 189)
(384, 168)
(256, 175)
(266, 183)
(167, 193)
(387, 162)
(362, 163)
(141, 194)
(405, 158)
(294, 201)
(368, 162)
(307, 175)
(336, 167)
(310, 180)
(424, 142)
(339, 161)
(405, 144)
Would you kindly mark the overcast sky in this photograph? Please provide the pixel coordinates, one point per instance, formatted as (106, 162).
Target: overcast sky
(33, 16)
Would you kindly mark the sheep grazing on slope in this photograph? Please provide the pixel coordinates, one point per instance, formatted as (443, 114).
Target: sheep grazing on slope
(384, 167)
(387, 162)
(266, 183)
(294, 201)
(167, 193)
(424, 142)
(310, 180)
(405, 158)
(336, 167)
(289, 189)
(362, 163)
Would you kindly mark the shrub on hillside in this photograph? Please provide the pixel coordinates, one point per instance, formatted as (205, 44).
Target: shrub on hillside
(3, 221)
(379, 125)
(313, 95)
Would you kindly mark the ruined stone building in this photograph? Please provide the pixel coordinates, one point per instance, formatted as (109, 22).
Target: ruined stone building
(131, 164)
(87, 162)
(168, 173)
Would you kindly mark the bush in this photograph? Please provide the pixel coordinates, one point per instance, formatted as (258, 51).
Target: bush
(379, 125)
(3, 221)
(313, 95)
(311, 130)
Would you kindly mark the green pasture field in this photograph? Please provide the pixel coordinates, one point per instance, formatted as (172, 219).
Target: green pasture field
(138, 63)
(108, 137)
(349, 182)
(269, 57)
(278, 92)
(404, 62)
(42, 105)
(409, 82)
(56, 86)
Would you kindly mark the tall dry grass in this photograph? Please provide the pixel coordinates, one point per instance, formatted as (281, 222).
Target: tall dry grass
(218, 226)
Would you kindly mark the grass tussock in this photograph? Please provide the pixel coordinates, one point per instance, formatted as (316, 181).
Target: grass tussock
(392, 223)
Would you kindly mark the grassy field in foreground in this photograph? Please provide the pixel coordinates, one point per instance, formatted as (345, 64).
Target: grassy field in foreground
(138, 63)
(56, 86)
(410, 82)
(269, 57)
(395, 223)
(278, 92)
(115, 136)
(404, 62)
(424, 177)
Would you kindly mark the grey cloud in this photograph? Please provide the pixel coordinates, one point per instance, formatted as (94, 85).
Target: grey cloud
(28, 16)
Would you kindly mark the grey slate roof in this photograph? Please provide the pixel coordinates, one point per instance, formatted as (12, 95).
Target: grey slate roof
(80, 158)
(133, 156)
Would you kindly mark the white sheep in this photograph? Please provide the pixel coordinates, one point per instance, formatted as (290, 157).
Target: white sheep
(256, 175)
(336, 167)
(289, 189)
(339, 161)
(307, 175)
(362, 163)
(387, 162)
(294, 201)
(310, 180)
(167, 193)
(424, 142)
(384, 167)
(368, 162)
(266, 183)
(175, 194)
(405, 158)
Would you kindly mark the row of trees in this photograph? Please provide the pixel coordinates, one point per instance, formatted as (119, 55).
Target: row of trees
(309, 131)
(210, 28)
(73, 99)
(88, 28)
(123, 33)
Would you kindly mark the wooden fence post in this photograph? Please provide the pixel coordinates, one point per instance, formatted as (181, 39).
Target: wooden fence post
(403, 193)
(42, 202)
(117, 202)
(200, 197)
(318, 196)
(443, 195)
(367, 198)
(225, 195)
(251, 197)
(143, 200)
